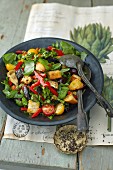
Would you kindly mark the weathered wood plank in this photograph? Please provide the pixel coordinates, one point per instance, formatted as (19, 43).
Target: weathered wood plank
(9, 15)
(13, 21)
(2, 122)
(32, 153)
(79, 3)
(23, 19)
(93, 158)
(7, 30)
(102, 2)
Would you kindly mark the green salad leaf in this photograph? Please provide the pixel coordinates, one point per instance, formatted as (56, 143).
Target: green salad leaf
(9, 58)
(63, 92)
(56, 66)
(29, 67)
(67, 48)
(45, 63)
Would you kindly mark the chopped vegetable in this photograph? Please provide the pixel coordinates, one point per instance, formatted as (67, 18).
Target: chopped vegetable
(59, 109)
(32, 50)
(23, 108)
(10, 67)
(76, 84)
(37, 113)
(48, 109)
(18, 65)
(12, 77)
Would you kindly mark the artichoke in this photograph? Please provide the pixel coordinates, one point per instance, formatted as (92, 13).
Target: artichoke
(108, 89)
(95, 38)
(108, 95)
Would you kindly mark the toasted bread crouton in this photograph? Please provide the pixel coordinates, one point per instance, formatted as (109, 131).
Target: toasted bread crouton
(70, 99)
(32, 106)
(40, 67)
(26, 79)
(54, 84)
(54, 74)
(74, 76)
(76, 84)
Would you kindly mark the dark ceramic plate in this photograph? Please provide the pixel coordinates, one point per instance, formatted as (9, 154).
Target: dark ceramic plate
(88, 97)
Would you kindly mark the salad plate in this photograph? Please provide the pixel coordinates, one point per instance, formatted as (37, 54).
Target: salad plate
(48, 47)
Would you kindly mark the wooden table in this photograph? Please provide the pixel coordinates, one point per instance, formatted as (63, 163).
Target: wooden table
(16, 154)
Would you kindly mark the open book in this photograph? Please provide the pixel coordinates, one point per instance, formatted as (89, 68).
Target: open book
(91, 27)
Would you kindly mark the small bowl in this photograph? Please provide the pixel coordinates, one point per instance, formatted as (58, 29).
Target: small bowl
(89, 99)
(69, 140)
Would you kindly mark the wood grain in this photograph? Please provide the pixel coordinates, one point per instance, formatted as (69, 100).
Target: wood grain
(102, 2)
(33, 153)
(93, 158)
(79, 3)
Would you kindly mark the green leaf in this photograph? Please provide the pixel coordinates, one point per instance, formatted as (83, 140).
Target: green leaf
(102, 60)
(109, 50)
(63, 92)
(45, 63)
(9, 58)
(10, 94)
(83, 55)
(103, 51)
(67, 48)
(7, 87)
(18, 102)
(24, 101)
(64, 70)
(85, 44)
(29, 67)
(56, 66)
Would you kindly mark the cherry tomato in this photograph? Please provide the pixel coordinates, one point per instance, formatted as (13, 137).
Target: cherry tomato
(48, 109)
(32, 50)
(59, 109)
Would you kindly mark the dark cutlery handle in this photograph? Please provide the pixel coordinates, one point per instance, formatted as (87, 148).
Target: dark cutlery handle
(82, 120)
(103, 102)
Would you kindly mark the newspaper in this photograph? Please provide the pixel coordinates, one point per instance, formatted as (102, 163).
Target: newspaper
(57, 20)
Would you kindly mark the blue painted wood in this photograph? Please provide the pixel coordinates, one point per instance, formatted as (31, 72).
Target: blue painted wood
(93, 158)
(33, 153)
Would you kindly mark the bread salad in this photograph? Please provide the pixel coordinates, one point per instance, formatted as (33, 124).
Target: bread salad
(38, 83)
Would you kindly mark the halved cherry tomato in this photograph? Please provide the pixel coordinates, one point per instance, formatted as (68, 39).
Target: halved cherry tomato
(49, 48)
(59, 52)
(48, 109)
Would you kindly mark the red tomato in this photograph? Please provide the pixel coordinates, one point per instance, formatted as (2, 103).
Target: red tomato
(48, 109)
